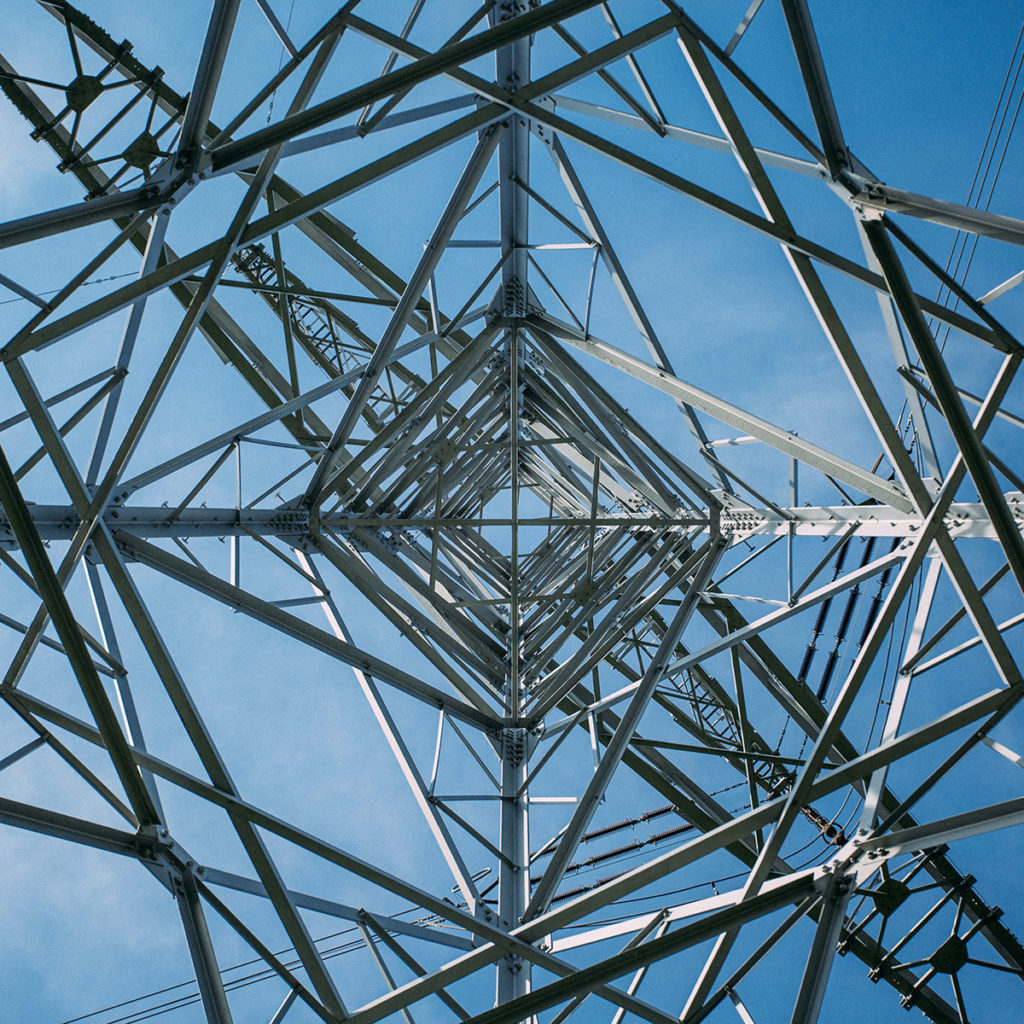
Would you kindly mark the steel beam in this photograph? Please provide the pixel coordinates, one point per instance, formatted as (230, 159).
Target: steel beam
(704, 565)
(425, 68)
(235, 597)
(541, 549)
(207, 78)
(782, 440)
(403, 310)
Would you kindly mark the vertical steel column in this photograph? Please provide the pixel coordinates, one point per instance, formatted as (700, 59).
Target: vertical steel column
(513, 72)
(514, 868)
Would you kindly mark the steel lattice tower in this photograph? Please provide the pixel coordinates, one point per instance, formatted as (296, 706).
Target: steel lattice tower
(416, 552)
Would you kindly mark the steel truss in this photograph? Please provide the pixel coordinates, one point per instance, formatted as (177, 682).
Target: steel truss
(439, 443)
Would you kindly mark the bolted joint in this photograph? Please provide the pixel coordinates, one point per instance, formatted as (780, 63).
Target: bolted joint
(513, 745)
(509, 9)
(514, 962)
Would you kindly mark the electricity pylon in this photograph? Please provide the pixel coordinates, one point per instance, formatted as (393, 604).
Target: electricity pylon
(589, 558)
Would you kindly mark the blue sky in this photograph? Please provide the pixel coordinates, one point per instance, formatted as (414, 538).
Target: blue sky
(915, 85)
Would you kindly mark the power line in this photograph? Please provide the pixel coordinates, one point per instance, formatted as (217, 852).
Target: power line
(53, 291)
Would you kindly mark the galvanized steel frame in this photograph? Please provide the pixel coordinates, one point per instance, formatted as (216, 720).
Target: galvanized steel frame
(514, 639)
